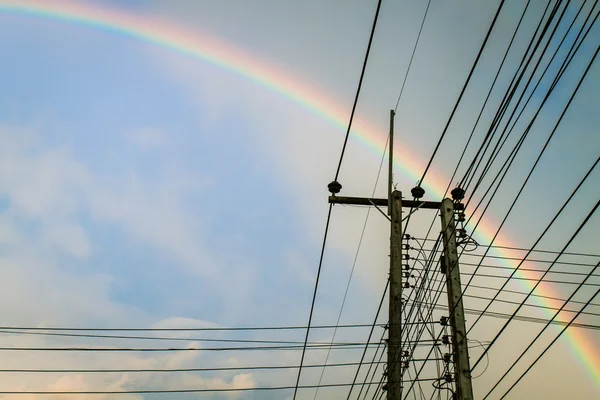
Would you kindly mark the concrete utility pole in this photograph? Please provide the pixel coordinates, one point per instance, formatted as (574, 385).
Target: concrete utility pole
(462, 370)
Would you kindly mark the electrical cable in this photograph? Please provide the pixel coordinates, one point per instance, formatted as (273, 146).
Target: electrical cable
(362, 234)
(548, 347)
(523, 249)
(570, 197)
(531, 170)
(362, 74)
(387, 285)
(571, 239)
(520, 357)
(412, 56)
(229, 329)
(566, 62)
(190, 390)
(487, 36)
(169, 370)
(161, 338)
(514, 84)
(488, 95)
(360, 81)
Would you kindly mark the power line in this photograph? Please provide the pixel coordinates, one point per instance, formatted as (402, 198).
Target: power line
(362, 234)
(161, 338)
(244, 328)
(487, 97)
(487, 36)
(412, 56)
(215, 390)
(345, 346)
(522, 318)
(519, 278)
(524, 293)
(508, 96)
(495, 246)
(571, 239)
(566, 62)
(529, 174)
(471, 296)
(360, 81)
(558, 311)
(486, 315)
(387, 285)
(412, 385)
(549, 345)
(580, 184)
(337, 172)
(171, 370)
(523, 259)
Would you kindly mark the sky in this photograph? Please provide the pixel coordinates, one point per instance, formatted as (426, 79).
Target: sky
(144, 187)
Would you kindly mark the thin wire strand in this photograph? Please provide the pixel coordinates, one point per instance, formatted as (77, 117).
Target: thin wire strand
(412, 57)
(360, 82)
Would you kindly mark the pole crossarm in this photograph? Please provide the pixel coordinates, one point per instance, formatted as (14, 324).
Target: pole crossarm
(365, 201)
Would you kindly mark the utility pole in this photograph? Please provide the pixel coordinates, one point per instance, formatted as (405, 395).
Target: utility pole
(460, 350)
(394, 361)
(394, 204)
(395, 301)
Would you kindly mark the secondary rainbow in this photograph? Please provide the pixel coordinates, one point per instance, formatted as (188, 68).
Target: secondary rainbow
(209, 49)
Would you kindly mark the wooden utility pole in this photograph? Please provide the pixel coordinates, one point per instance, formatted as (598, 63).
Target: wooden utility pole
(462, 370)
(394, 360)
(394, 204)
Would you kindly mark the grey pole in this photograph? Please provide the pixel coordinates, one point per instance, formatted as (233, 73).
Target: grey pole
(462, 370)
(394, 361)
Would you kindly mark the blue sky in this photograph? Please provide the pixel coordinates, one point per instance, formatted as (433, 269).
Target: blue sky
(140, 187)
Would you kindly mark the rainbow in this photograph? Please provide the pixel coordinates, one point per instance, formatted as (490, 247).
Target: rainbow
(203, 47)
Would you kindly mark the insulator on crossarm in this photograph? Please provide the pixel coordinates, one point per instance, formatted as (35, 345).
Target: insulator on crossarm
(334, 187)
(458, 194)
(417, 192)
